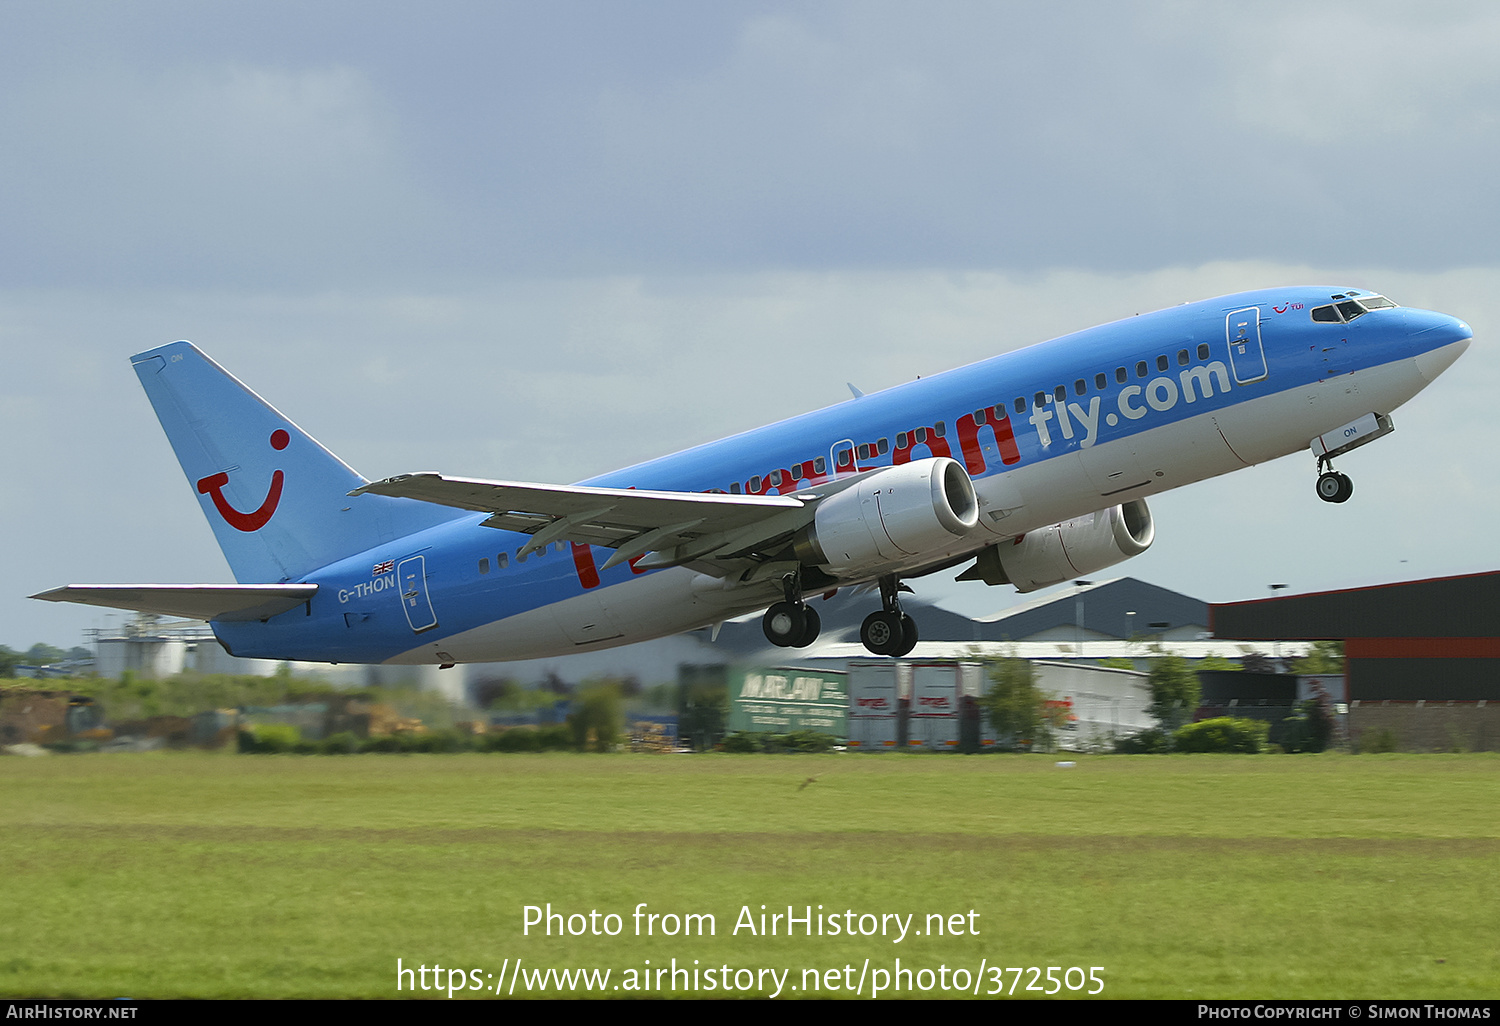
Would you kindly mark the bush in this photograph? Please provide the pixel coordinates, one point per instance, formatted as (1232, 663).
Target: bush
(598, 716)
(270, 739)
(742, 741)
(1222, 734)
(1310, 729)
(1152, 741)
(343, 743)
(1016, 707)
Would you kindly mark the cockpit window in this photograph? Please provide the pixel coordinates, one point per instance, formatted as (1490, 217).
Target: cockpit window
(1348, 309)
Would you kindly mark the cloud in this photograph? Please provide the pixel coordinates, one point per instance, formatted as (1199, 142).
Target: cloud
(229, 173)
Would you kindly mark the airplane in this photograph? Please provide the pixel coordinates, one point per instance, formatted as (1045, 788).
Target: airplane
(1032, 467)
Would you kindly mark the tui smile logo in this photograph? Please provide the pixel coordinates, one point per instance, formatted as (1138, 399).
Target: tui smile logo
(213, 486)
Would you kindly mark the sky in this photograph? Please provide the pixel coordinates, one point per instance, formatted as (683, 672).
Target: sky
(561, 238)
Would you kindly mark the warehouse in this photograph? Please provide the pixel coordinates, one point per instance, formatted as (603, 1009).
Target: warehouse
(1422, 657)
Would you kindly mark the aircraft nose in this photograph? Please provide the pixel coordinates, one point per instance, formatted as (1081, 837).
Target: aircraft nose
(1439, 338)
(1435, 330)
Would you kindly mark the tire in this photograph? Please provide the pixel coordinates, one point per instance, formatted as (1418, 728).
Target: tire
(784, 624)
(908, 636)
(812, 625)
(881, 633)
(1334, 487)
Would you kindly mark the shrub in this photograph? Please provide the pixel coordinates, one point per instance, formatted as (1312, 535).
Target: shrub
(343, 743)
(1017, 709)
(598, 716)
(1310, 729)
(795, 741)
(741, 742)
(1151, 741)
(1222, 734)
(270, 739)
(1175, 691)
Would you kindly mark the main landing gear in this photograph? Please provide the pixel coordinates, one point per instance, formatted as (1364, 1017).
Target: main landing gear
(791, 623)
(889, 632)
(1333, 486)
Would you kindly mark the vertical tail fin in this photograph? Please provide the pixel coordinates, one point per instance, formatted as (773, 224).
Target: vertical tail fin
(275, 498)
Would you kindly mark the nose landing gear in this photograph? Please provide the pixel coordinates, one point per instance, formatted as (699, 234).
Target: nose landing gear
(889, 631)
(1334, 487)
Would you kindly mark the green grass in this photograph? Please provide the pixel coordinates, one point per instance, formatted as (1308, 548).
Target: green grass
(1182, 876)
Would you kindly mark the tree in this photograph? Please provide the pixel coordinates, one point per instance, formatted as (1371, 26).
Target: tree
(1016, 707)
(42, 654)
(598, 715)
(1174, 691)
(1325, 657)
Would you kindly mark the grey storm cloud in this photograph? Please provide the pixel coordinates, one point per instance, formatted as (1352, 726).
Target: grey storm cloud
(340, 144)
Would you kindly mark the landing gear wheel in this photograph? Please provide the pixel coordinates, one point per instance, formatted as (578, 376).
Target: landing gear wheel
(1335, 487)
(812, 625)
(881, 632)
(784, 624)
(908, 636)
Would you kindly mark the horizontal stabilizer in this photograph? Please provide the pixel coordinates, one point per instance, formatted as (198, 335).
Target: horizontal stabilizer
(193, 601)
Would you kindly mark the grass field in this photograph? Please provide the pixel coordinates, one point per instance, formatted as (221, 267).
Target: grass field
(1181, 876)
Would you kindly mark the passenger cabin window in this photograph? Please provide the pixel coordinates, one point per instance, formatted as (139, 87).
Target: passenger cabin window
(1121, 375)
(1161, 362)
(1182, 357)
(502, 560)
(1101, 382)
(1141, 370)
(484, 566)
(1203, 350)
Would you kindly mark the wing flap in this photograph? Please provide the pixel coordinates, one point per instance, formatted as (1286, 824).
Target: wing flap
(228, 602)
(677, 526)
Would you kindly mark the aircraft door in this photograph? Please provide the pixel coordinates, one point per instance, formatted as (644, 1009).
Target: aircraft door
(1245, 353)
(841, 457)
(411, 572)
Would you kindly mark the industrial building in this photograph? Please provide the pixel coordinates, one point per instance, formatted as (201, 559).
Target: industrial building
(1422, 657)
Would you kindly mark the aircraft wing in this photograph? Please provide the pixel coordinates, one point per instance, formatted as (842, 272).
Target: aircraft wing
(193, 601)
(673, 527)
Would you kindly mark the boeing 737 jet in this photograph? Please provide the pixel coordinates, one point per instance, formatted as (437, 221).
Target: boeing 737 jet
(1032, 467)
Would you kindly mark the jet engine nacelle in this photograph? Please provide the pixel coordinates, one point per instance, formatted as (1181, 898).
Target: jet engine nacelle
(890, 516)
(1067, 550)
